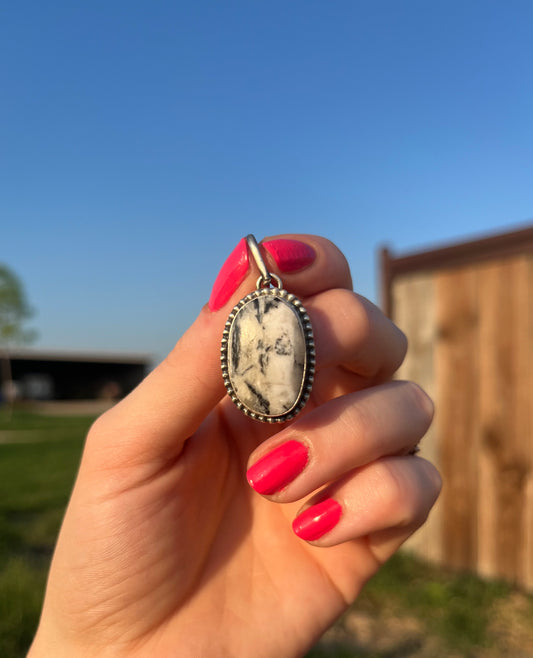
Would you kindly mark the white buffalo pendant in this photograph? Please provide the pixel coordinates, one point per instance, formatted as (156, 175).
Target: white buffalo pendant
(268, 355)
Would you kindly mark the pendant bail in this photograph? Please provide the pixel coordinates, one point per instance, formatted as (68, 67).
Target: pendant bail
(266, 277)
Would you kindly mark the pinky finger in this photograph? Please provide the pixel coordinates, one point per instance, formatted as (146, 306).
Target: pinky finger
(385, 501)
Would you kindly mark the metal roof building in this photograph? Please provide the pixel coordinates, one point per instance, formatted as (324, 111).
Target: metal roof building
(65, 375)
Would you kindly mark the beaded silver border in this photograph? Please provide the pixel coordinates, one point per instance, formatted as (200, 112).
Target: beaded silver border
(310, 355)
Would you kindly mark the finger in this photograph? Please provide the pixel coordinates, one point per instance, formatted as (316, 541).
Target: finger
(155, 420)
(351, 331)
(330, 268)
(386, 500)
(343, 434)
(307, 265)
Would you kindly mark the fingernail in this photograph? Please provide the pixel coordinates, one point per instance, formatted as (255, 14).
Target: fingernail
(290, 255)
(277, 469)
(230, 277)
(315, 521)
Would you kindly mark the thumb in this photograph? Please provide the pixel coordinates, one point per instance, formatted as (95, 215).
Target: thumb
(156, 418)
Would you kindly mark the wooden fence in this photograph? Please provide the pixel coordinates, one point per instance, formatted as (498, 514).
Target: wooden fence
(467, 312)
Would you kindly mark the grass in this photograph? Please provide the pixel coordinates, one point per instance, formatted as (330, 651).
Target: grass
(442, 601)
(412, 609)
(35, 483)
(409, 609)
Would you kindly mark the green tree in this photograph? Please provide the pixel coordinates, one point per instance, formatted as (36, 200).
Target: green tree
(14, 313)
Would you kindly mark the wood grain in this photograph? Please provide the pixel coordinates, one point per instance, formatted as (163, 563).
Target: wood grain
(470, 332)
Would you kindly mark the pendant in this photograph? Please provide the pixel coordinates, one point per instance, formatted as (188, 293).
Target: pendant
(268, 351)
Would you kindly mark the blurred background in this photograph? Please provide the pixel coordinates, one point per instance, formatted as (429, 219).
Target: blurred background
(140, 141)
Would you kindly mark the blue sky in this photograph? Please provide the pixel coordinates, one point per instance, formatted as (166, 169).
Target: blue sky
(139, 141)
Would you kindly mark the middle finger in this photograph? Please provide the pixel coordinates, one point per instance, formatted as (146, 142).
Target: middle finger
(353, 333)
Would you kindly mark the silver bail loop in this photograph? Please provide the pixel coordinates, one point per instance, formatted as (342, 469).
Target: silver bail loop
(266, 277)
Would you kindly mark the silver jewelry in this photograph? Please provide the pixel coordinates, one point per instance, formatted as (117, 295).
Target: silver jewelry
(268, 351)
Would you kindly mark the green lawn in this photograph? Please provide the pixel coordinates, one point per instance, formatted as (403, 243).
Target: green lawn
(36, 477)
(409, 610)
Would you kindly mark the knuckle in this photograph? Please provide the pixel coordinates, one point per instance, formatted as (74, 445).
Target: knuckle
(407, 500)
(402, 346)
(357, 420)
(101, 437)
(358, 327)
(393, 490)
(98, 427)
(356, 317)
(362, 319)
(434, 480)
(424, 496)
(420, 400)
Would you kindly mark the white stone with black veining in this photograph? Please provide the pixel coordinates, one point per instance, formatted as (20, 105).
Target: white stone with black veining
(266, 355)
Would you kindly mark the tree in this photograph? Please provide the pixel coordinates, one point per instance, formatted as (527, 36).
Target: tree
(14, 312)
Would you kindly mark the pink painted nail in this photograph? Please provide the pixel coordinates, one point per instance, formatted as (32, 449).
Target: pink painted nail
(290, 255)
(278, 468)
(315, 521)
(230, 277)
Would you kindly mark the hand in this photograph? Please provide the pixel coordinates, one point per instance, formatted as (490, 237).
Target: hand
(166, 550)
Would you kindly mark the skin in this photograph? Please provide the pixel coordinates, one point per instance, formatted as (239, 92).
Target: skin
(166, 551)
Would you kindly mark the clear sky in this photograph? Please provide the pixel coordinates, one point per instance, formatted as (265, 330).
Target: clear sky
(140, 140)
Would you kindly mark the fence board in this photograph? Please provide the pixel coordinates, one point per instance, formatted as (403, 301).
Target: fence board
(456, 416)
(414, 298)
(525, 414)
(503, 443)
(470, 331)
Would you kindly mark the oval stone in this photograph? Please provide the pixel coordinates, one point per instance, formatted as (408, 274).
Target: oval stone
(267, 355)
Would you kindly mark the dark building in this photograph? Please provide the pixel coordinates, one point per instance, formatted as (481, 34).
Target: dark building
(57, 375)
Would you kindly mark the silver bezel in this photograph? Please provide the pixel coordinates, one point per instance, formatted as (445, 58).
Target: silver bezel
(310, 360)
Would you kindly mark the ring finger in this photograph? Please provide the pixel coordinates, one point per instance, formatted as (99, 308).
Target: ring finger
(345, 433)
